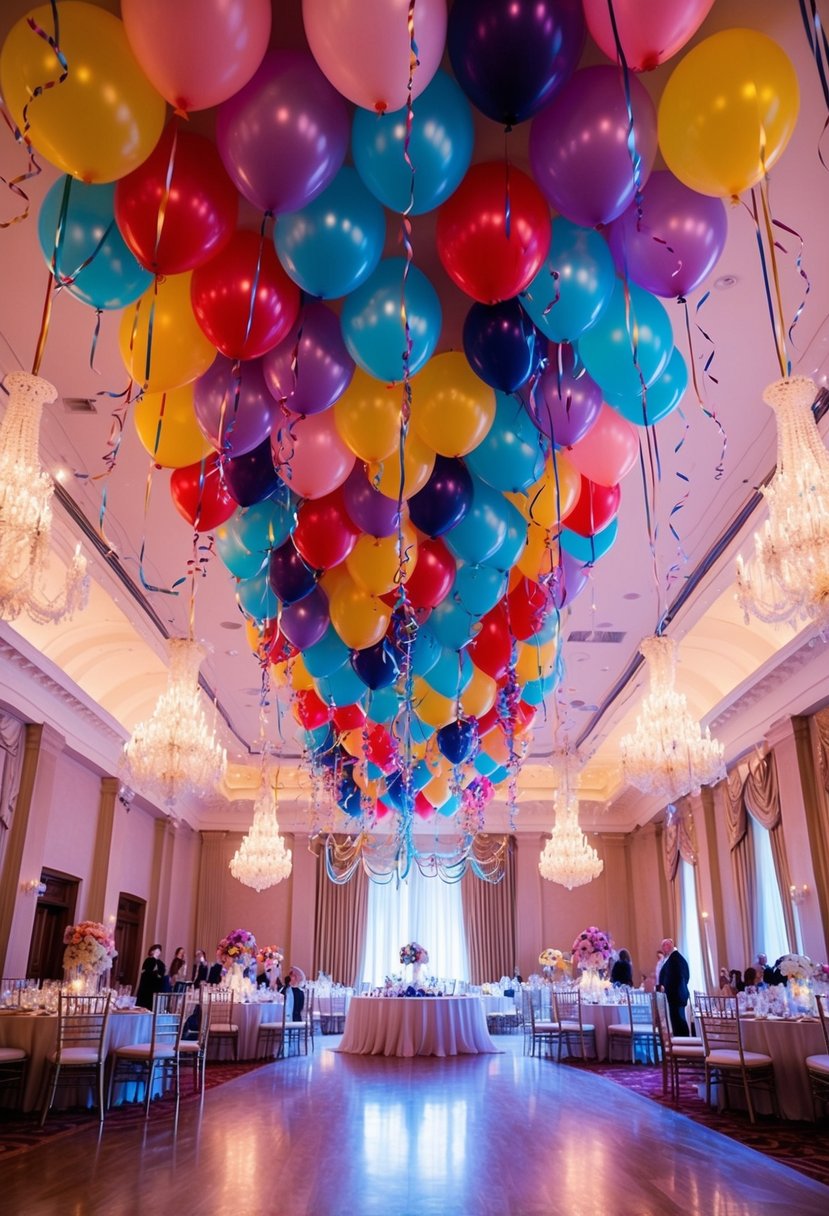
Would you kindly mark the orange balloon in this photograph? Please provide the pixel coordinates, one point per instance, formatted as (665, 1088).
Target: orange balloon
(361, 619)
(479, 695)
(167, 427)
(367, 416)
(551, 499)
(535, 660)
(496, 746)
(540, 555)
(452, 409)
(418, 462)
(431, 707)
(301, 678)
(179, 352)
(374, 563)
(439, 789)
(352, 741)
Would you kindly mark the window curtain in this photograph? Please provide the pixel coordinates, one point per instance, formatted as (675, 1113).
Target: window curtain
(742, 854)
(679, 843)
(11, 762)
(421, 908)
(340, 925)
(762, 799)
(489, 921)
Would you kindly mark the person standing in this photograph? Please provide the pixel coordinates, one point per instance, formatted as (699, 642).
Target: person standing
(214, 975)
(673, 980)
(200, 970)
(622, 970)
(178, 969)
(152, 977)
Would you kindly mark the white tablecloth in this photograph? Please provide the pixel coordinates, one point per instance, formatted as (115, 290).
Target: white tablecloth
(599, 1016)
(416, 1026)
(322, 1002)
(788, 1042)
(249, 1018)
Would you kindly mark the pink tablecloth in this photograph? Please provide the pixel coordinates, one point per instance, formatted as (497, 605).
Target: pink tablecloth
(788, 1042)
(416, 1026)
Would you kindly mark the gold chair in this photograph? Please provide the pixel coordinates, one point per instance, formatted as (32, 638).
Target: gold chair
(299, 1031)
(13, 1064)
(142, 1061)
(637, 1026)
(683, 1054)
(192, 1052)
(270, 1037)
(334, 1021)
(818, 1066)
(221, 1028)
(81, 1047)
(570, 1017)
(726, 1060)
(538, 1030)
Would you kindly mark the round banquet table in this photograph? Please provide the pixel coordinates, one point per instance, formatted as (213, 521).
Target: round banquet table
(416, 1026)
(249, 1017)
(788, 1041)
(598, 1016)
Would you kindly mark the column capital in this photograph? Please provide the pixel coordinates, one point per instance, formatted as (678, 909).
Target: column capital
(784, 730)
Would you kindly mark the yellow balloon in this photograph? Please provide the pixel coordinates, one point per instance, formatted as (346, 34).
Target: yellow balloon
(431, 707)
(331, 579)
(257, 638)
(728, 112)
(281, 674)
(180, 352)
(479, 695)
(373, 563)
(540, 555)
(496, 746)
(439, 789)
(535, 659)
(167, 427)
(105, 118)
(301, 678)
(551, 499)
(418, 462)
(352, 741)
(367, 416)
(452, 409)
(359, 618)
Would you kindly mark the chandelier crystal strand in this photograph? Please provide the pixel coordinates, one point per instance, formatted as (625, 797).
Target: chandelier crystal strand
(175, 751)
(262, 860)
(667, 754)
(567, 858)
(787, 578)
(26, 512)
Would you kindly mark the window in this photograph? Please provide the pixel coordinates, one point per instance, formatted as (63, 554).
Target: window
(690, 943)
(424, 910)
(770, 936)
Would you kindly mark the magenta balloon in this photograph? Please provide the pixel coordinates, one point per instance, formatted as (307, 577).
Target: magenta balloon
(234, 425)
(284, 136)
(309, 454)
(650, 34)
(305, 622)
(579, 145)
(308, 373)
(368, 509)
(676, 243)
(564, 402)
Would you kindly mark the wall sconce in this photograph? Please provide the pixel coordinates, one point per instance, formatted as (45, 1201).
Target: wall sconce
(33, 887)
(798, 894)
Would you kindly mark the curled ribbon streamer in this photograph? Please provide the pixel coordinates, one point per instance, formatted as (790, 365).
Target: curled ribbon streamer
(710, 414)
(819, 46)
(801, 270)
(633, 151)
(147, 495)
(754, 212)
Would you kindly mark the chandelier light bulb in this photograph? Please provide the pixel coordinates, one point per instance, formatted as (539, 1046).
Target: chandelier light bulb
(261, 861)
(567, 858)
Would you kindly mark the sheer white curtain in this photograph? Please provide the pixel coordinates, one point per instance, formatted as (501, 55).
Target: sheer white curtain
(770, 936)
(424, 910)
(690, 942)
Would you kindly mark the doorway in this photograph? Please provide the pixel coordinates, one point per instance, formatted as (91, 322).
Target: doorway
(55, 911)
(129, 934)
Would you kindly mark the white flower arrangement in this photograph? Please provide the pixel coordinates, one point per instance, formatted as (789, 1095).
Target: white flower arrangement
(796, 967)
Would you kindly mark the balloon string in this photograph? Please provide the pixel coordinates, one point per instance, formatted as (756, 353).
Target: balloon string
(773, 246)
(150, 330)
(45, 318)
(801, 270)
(710, 414)
(507, 185)
(148, 586)
(165, 193)
(255, 284)
(819, 46)
(753, 211)
(633, 151)
(99, 312)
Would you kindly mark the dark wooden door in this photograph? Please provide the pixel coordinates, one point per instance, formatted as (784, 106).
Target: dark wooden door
(129, 932)
(54, 912)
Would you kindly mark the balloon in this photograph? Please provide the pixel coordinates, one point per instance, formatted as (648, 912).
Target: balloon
(167, 427)
(310, 710)
(382, 705)
(587, 124)
(588, 550)
(342, 687)
(179, 350)
(551, 499)
(646, 39)
(608, 348)
(432, 708)
(361, 619)
(534, 661)
(418, 462)
(444, 500)
(113, 278)
(290, 577)
(529, 607)
(492, 647)
(286, 115)
(596, 507)
(324, 534)
(515, 538)
(457, 740)
(479, 588)
(364, 49)
(257, 599)
(452, 673)
(299, 675)
(195, 53)
(565, 401)
(422, 806)
(431, 580)
(511, 455)
(368, 417)
(452, 408)
(367, 509)
(305, 622)
(265, 526)
(499, 342)
(673, 242)
(536, 691)
(373, 327)
(240, 561)
(573, 286)
(728, 112)
(538, 557)
(570, 579)
(479, 695)
(484, 527)
(439, 149)
(309, 455)
(426, 651)
(105, 118)
(252, 477)
(327, 655)
(374, 563)
(377, 666)
(178, 208)
(477, 252)
(200, 494)
(606, 454)
(233, 406)
(663, 396)
(452, 625)
(310, 368)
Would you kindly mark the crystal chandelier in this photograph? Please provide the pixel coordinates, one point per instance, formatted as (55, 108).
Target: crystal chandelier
(175, 752)
(787, 578)
(26, 512)
(667, 753)
(262, 860)
(567, 858)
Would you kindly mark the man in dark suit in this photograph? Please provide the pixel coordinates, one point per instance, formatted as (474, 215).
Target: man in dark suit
(214, 975)
(200, 970)
(673, 980)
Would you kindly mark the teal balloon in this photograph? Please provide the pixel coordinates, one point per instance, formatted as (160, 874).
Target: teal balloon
(113, 278)
(485, 764)
(479, 588)
(382, 704)
(421, 731)
(239, 560)
(498, 774)
(588, 549)
(451, 674)
(607, 350)
(451, 806)
(512, 546)
(317, 737)
(440, 148)
(535, 692)
(548, 629)
(326, 656)
(511, 454)
(341, 687)
(372, 324)
(425, 652)
(257, 598)
(573, 287)
(421, 775)
(452, 625)
(373, 772)
(332, 246)
(483, 529)
(265, 526)
(663, 396)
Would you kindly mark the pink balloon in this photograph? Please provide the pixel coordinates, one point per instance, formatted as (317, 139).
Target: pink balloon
(608, 451)
(197, 52)
(309, 455)
(363, 47)
(649, 33)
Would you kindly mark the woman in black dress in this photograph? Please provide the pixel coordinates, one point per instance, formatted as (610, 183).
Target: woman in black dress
(152, 978)
(622, 970)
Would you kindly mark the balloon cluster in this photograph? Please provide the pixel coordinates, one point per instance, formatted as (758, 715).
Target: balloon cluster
(404, 526)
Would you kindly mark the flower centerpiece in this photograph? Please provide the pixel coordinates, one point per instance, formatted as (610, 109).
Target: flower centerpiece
(796, 967)
(799, 973)
(270, 959)
(416, 955)
(554, 962)
(591, 954)
(237, 951)
(90, 949)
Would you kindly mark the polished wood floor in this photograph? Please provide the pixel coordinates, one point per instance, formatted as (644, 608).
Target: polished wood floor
(469, 1136)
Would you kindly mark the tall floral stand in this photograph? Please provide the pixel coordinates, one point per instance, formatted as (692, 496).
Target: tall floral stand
(591, 986)
(418, 975)
(85, 981)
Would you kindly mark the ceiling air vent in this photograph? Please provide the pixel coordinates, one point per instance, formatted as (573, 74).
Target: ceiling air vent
(80, 405)
(596, 635)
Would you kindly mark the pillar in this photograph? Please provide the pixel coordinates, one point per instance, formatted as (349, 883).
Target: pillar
(101, 857)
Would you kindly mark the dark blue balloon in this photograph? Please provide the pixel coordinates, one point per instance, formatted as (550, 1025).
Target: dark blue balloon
(377, 666)
(350, 799)
(500, 343)
(291, 578)
(251, 478)
(396, 794)
(457, 741)
(444, 500)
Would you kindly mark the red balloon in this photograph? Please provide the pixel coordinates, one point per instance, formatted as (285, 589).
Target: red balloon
(309, 710)
(381, 810)
(324, 534)
(422, 806)
(524, 715)
(379, 748)
(488, 722)
(349, 717)
(276, 645)
(200, 204)
(431, 580)
(529, 607)
(221, 291)
(200, 494)
(492, 648)
(471, 235)
(596, 507)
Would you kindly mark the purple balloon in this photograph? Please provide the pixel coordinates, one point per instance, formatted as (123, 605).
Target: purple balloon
(234, 426)
(368, 509)
(291, 579)
(252, 478)
(569, 579)
(284, 136)
(304, 623)
(676, 243)
(564, 402)
(310, 378)
(579, 145)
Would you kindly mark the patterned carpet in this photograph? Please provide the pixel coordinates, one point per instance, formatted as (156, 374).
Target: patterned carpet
(802, 1146)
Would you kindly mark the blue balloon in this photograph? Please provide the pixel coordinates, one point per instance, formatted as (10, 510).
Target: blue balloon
(450, 806)
(377, 666)
(549, 627)
(425, 652)
(421, 775)
(663, 396)
(479, 588)
(332, 246)
(266, 525)
(607, 349)
(350, 800)
(499, 774)
(588, 549)
(511, 455)
(457, 740)
(440, 148)
(451, 674)
(484, 527)
(257, 598)
(574, 286)
(512, 546)
(240, 561)
(113, 278)
(382, 704)
(318, 738)
(451, 624)
(499, 341)
(484, 763)
(534, 692)
(421, 732)
(445, 499)
(342, 687)
(327, 655)
(373, 328)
